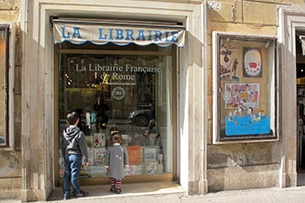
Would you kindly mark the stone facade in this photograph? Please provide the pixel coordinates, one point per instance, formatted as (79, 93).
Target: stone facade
(27, 167)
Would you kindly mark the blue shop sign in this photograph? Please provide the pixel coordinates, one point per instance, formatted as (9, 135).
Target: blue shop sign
(116, 33)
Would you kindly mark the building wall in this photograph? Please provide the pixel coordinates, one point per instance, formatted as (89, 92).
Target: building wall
(11, 158)
(38, 83)
(202, 166)
(250, 165)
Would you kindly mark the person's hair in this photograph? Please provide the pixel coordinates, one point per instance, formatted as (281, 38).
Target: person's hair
(72, 118)
(117, 137)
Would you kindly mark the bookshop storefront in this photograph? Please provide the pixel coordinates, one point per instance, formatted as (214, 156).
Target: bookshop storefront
(128, 57)
(119, 76)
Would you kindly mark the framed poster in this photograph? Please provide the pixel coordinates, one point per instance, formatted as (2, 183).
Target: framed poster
(243, 95)
(252, 59)
(245, 79)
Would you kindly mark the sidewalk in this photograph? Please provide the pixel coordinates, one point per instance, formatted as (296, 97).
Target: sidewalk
(173, 193)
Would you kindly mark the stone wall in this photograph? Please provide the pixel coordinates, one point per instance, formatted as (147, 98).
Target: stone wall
(240, 165)
(11, 159)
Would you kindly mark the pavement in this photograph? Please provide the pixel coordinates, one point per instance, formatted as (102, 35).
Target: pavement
(170, 192)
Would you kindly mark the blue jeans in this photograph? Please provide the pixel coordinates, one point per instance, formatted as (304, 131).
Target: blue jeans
(72, 169)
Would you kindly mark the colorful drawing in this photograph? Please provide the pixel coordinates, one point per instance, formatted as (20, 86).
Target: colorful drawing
(252, 62)
(99, 140)
(242, 95)
(249, 124)
(227, 67)
(99, 155)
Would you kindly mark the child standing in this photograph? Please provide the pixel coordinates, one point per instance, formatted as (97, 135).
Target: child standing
(73, 148)
(116, 160)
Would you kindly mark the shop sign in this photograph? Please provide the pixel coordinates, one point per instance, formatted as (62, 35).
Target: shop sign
(109, 71)
(118, 34)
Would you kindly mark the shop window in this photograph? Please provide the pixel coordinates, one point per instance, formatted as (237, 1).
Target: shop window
(245, 81)
(127, 83)
(4, 35)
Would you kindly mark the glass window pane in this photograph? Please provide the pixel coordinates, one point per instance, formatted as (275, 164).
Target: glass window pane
(3, 85)
(127, 84)
(245, 91)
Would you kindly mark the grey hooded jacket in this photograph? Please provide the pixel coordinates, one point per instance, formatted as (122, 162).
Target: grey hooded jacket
(74, 142)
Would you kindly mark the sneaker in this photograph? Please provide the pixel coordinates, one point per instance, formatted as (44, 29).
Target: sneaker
(118, 191)
(81, 194)
(112, 189)
(66, 197)
(85, 194)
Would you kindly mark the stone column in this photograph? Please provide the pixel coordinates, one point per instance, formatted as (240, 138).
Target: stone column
(37, 100)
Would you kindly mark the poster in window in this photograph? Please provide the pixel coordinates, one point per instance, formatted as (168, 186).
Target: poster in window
(249, 123)
(252, 62)
(228, 63)
(245, 118)
(243, 95)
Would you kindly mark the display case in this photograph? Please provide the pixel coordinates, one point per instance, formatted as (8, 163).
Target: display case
(145, 158)
(244, 83)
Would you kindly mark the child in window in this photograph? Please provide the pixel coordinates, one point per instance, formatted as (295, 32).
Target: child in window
(116, 160)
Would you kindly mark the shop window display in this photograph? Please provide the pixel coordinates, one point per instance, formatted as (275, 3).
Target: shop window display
(126, 84)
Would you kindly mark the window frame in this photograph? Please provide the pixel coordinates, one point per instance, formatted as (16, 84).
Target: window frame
(220, 135)
(172, 51)
(5, 87)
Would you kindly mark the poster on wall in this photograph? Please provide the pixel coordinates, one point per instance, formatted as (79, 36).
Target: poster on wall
(244, 119)
(249, 123)
(243, 95)
(252, 62)
(228, 63)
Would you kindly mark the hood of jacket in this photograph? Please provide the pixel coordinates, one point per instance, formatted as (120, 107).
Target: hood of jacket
(70, 132)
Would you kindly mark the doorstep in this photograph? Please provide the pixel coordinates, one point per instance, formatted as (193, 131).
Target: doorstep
(101, 192)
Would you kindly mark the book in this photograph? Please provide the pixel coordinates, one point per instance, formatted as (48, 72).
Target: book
(99, 155)
(99, 140)
(151, 167)
(149, 154)
(134, 154)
